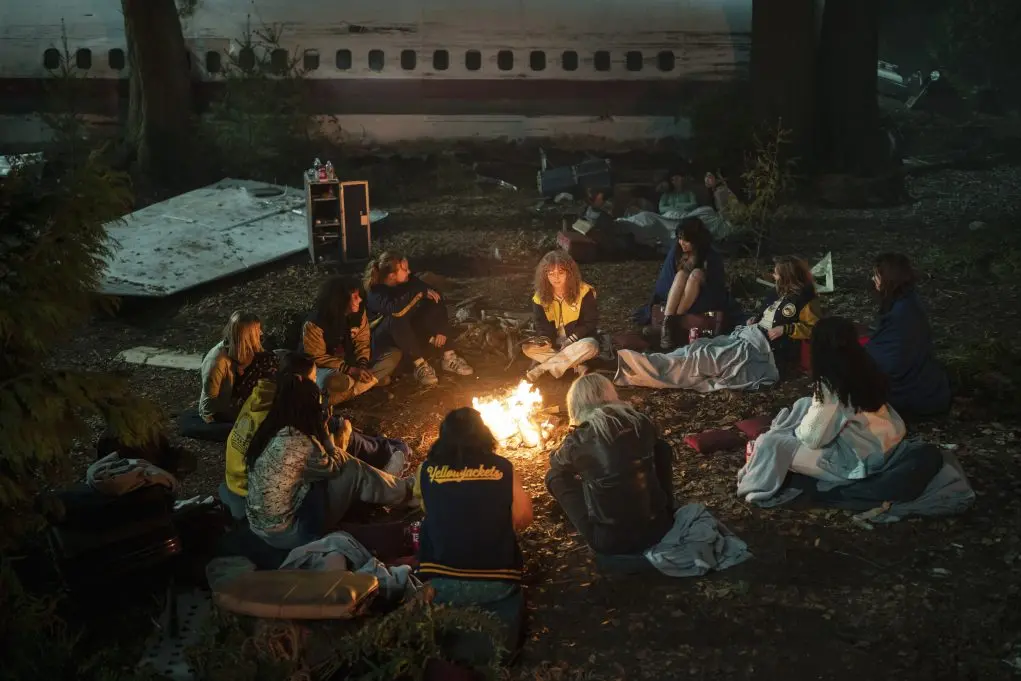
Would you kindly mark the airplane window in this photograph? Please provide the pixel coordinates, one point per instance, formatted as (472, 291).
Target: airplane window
(213, 63)
(633, 60)
(537, 60)
(115, 58)
(601, 60)
(441, 60)
(409, 59)
(505, 60)
(83, 59)
(473, 60)
(310, 61)
(246, 59)
(569, 60)
(343, 59)
(376, 60)
(278, 61)
(665, 61)
(51, 59)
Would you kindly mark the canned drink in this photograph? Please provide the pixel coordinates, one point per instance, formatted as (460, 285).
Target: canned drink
(413, 533)
(694, 334)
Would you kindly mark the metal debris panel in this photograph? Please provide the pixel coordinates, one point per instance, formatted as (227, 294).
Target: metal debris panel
(204, 235)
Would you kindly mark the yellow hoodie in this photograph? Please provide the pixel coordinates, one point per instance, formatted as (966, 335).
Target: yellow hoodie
(253, 413)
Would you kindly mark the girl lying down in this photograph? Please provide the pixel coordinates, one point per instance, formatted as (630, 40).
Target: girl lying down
(749, 357)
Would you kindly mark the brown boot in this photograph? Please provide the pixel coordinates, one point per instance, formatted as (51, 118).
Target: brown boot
(667, 336)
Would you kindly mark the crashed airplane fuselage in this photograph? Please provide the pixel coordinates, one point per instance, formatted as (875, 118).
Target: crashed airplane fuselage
(408, 69)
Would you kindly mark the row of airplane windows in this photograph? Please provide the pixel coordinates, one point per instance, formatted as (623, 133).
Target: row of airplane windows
(280, 60)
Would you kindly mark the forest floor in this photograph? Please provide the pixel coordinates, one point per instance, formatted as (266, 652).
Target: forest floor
(824, 597)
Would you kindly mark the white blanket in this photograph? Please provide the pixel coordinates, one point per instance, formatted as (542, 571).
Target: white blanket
(742, 360)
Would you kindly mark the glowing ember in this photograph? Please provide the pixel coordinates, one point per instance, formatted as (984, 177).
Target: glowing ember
(514, 416)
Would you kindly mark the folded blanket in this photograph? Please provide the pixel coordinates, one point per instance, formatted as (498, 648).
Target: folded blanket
(341, 551)
(696, 544)
(117, 476)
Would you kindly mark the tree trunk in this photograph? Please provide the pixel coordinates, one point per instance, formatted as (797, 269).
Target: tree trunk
(160, 106)
(783, 69)
(849, 138)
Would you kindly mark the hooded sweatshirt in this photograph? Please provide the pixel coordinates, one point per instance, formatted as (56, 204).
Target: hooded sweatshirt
(253, 413)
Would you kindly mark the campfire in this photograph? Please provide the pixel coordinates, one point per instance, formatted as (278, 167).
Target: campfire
(516, 419)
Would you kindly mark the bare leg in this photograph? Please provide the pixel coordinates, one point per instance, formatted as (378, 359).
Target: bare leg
(673, 298)
(683, 293)
(691, 290)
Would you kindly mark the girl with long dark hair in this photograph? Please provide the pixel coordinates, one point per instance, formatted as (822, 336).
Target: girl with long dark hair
(336, 334)
(474, 503)
(901, 342)
(849, 409)
(299, 483)
(691, 284)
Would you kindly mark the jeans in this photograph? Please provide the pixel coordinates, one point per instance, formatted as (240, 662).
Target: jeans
(503, 600)
(340, 387)
(190, 424)
(411, 333)
(358, 481)
(234, 502)
(386, 454)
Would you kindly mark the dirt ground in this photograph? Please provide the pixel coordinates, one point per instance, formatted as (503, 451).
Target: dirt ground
(824, 597)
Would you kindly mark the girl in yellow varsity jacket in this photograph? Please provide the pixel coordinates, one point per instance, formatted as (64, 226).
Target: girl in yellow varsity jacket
(566, 318)
(791, 312)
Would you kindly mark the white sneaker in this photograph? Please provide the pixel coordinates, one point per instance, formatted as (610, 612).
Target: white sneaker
(425, 374)
(456, 365)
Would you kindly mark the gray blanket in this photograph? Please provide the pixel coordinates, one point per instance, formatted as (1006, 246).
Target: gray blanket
(761, 480)
(696, 544)
(341, 551)
(742, 360)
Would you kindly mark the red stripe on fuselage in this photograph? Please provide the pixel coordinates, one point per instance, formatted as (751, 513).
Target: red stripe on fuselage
(523, 97)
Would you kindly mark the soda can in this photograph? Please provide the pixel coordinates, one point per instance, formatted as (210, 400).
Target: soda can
(694, 334)
(413, 533)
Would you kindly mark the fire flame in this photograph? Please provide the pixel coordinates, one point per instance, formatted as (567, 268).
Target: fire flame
(514, 415)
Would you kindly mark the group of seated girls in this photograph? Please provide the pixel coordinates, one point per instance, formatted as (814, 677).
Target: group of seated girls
(357, 339)
(293, 470)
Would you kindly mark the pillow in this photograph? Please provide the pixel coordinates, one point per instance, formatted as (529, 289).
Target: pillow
(711, 441)
(752, 428)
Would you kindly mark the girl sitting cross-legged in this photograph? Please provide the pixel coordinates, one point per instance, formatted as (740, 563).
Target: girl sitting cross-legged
(566, 318)
(406, 314)
(336, 335)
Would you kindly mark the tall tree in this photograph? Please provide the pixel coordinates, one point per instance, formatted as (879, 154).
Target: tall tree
(160, 110)
(849, 139)
(783, 70)
(814, 66)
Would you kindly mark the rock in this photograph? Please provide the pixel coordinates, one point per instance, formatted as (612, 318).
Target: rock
(977, 225)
